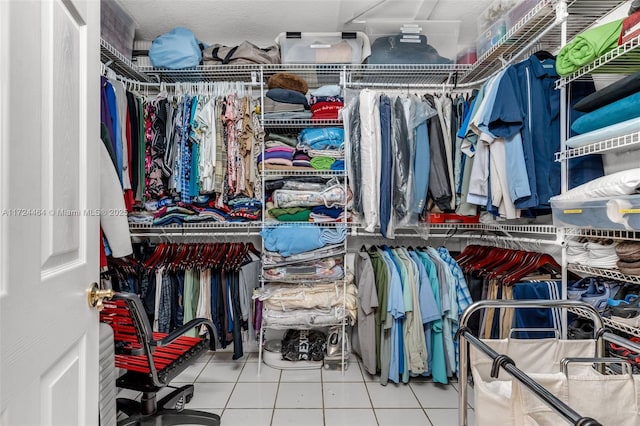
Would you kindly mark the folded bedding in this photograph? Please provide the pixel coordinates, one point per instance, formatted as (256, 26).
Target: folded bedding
(604, 133)
(295, 239)
(626, 182)
(321, 138)
(613, 92)
(614, 113)
(587, 47)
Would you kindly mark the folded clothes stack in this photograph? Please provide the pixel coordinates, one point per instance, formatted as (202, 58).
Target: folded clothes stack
(599, 254)
(328, 269)
(277, 155)
(323, 146)
(326, 103)
(286, 98)
(238, 209)
(629, 254)
(295, 239)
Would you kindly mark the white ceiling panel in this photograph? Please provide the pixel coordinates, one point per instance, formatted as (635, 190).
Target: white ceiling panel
(260, 21)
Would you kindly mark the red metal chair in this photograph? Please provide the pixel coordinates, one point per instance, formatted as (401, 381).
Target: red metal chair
(151, 361)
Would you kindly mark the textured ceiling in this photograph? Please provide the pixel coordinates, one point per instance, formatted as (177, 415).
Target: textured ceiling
(260, 21)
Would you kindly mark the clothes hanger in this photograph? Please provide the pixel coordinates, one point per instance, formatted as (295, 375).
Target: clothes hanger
(543, 54)
(540, 262)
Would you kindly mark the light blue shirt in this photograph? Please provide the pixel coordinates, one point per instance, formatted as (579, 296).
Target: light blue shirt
(395, 306)
(436, 358)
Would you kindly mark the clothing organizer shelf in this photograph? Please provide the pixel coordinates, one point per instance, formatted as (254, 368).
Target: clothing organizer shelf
(621, 60)
(608, 145)
(613, 274)
(606, 234)
(541, 27)
(298, 124)
(611, 324)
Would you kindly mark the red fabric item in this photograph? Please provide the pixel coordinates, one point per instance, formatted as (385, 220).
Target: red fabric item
(326, 110)
(129, 200)
(103, 254)
(630, 28)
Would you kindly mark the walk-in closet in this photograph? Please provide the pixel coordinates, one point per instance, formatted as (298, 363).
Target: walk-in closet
(341, 212)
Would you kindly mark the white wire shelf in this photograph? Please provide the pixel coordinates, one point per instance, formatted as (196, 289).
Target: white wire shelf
(610, 323)
(613, 144)
(302, 326)
(539, 29)
(299, 124)
(274, 223)
(321, 74)
(541, 17)
(191, 230)
(602, 272)
(119, 63)
(607, 234)
(303, 281)
(511, 228)
(624, 59)
(272, 173)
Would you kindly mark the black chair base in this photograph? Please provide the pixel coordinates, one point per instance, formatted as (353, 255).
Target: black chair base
(171, 412)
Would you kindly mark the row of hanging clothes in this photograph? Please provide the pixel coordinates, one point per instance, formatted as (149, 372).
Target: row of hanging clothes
(409, 303)
(402, 155)
(185, 154)
(494, 273)
(180, 282)
(490, 149)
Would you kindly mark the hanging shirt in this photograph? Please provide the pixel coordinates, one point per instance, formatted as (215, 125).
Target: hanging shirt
(436, 357)
(367, 304)
(395, 307)
(530, 104)
(463, 296)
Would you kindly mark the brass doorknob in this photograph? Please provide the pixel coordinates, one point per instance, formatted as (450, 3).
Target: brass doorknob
(96, 296)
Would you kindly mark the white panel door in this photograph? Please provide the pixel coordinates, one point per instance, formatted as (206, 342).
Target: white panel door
(49, 180)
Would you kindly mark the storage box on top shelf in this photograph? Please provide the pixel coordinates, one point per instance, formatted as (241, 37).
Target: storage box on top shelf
(323, 48)
(490, 37)
(116, 27)
(494, 13)
(412, 42)
(622, 212)
(518, 11)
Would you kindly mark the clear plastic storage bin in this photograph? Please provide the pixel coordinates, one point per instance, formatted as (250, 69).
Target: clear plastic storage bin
(440, 35)
(616, 213)
(323, 48)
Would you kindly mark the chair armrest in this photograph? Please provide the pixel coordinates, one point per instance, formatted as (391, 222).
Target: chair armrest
(186, 327)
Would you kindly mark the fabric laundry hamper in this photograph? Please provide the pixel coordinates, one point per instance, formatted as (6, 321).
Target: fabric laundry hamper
(495, 402)
(612, 400)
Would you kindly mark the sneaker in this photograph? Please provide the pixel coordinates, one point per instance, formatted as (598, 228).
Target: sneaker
(580, 329)
(598, 293)
(575, 290)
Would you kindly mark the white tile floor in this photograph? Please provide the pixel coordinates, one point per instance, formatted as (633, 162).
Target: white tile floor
(234, 390)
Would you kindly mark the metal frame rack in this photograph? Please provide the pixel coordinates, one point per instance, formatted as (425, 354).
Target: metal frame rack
(622, 60)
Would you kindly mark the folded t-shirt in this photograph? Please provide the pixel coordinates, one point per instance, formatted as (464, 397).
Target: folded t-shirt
(326, 90)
